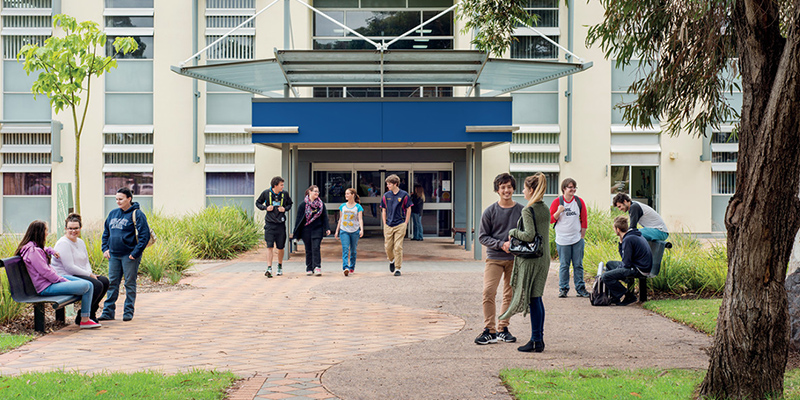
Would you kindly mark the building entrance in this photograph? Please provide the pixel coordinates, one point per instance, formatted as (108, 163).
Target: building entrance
(638, 182)
(368, 179)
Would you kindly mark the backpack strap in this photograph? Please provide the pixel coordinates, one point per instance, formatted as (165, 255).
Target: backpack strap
(560, 202)
(135, 229)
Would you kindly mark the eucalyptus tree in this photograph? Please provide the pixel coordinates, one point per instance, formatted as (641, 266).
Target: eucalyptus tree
(690, 51)
(66, 65)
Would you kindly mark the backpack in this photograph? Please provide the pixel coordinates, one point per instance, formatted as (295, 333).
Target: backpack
(600, 295)
(152, 232)
(561, 202)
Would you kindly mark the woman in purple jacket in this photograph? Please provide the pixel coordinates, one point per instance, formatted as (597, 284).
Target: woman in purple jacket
(45, 279)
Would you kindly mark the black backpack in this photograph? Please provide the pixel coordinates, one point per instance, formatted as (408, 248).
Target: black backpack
(600, 295)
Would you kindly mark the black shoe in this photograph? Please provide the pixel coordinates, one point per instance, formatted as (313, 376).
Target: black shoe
(391, 266)
(532, 347)
(397, 273)
(268, 273)
(563, 293)
(506, 336)
(127, 317)
(628, 299)
(486, 337)
(105, 318)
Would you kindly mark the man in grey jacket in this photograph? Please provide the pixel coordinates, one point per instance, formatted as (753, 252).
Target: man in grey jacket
(497, 220)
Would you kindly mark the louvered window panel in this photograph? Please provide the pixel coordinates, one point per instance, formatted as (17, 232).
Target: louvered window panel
(27, 4)
(534, 158)
(13, 44)
(129, 158)
(230, 4)
(229, 138)
(26, 158)
(535, 138)
(553, 183)
(129, 138)
(228, 21)
(723, 182)
(230, 158)
(234, 47)
(21, 139)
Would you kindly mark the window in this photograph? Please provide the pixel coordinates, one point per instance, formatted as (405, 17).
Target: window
(138, 183)
(26, 184)
(229, 183)
(229, 166)
(422, 91)
(553, 183)
(221, 17)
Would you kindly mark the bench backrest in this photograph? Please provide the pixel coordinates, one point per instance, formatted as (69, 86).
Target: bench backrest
(19, 282)
(657, 248)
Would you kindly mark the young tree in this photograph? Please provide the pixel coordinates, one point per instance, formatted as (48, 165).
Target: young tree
(691, 48)
(67, 65)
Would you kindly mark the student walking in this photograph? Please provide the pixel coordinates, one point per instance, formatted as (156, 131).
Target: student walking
(418, 198)
(351, 223)
(530, 274)
(394, 213)
(124, 238)
(311, 225)
(496, 222)
(569, 216)
(276, 202)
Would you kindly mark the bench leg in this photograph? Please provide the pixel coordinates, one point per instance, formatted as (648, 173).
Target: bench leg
(642, 290)
(61, 315)
(38, 317)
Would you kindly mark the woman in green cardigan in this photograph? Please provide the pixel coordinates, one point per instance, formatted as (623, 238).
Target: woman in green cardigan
(530, 274)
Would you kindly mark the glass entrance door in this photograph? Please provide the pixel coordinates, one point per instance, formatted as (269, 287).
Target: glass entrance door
(638, 182)
(437, 210)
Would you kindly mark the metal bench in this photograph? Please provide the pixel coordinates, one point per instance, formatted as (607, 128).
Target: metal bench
(657, 248)
(22, 291)
(460, 233)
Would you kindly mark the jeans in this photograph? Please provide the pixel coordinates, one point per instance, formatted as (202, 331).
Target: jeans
(117, 267)
(574, 253)
(616, 272)
(417, 226)
(75, 286)
(650, 234)
(349, 244)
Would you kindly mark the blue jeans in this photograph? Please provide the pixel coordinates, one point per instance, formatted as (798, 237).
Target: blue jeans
(117, 267)
(349, 244)
(417, 226)
(653, 234)
(574, 253)
(75, 286)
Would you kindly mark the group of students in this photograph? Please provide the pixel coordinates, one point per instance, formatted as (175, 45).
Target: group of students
(311, 224)
(524, 278)
(65, 268)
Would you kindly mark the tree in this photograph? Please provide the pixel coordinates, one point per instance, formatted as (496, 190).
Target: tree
(689, 48)
(67, 65)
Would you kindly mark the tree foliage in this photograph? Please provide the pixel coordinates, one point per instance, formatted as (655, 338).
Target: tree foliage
(492, 34)
(66, 66)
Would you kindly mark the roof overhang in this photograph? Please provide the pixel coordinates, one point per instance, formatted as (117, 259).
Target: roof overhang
(292, 69)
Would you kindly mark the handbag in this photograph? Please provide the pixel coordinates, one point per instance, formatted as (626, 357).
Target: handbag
(521, 248)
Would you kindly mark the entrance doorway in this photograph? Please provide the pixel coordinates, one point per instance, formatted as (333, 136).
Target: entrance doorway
(638, 182)
(368, 179)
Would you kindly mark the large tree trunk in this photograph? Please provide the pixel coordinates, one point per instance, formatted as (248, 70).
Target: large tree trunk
(748, 359)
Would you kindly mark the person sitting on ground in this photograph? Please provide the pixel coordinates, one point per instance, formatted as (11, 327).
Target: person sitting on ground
(74, 261)
(45, 279)
(653, 226)
(637, 260)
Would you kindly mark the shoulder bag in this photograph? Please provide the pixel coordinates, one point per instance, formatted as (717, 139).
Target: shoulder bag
(521, 248)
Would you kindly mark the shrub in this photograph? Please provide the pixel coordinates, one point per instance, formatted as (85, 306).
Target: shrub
(9, 309)
(221, 232)
(600, 230)
(164, 256)
(94, 246)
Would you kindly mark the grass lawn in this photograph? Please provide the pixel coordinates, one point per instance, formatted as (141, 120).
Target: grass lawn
(700, 314)
(670, 384)
(196, 384)
(9, 342)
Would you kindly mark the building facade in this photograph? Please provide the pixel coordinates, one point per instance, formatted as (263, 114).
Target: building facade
(181, 144)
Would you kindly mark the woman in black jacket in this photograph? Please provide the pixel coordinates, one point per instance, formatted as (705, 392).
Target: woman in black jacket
(312, 225)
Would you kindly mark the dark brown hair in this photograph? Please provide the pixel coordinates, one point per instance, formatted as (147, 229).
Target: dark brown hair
(621, 223)
(356, 198)
(567, 182)
(504, 178)
(73, 218)
(35, 233)
(620, 198)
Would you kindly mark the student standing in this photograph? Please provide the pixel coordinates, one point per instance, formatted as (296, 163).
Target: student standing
(568, 213)
(311, 225)
(496, 222)
(276, 202)
(530, 274)
(123, 245)
(351, 223)
(394, 213)
(418, 198)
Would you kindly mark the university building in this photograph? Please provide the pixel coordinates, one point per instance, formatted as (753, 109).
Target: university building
(332, 93)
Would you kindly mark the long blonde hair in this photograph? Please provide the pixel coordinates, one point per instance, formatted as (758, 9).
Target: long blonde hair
(537, 183)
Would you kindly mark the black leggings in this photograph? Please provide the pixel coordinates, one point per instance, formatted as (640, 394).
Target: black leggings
(313, 255)
(100, 288)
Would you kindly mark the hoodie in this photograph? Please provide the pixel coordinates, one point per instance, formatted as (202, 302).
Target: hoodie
(635, 251)
(119, 234)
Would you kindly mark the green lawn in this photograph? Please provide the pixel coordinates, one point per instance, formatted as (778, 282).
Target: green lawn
(197, 385)
(10, 342)
(700, 314)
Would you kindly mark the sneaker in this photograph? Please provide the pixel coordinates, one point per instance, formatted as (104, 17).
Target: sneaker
(486, 337)
(346, 272)
(506, 336)
(309, 272)
(268, 274)
(397, 273)
(628, 299)
(583, 293)
(127, 317)
(318, 271)
(563, 293)
(90, 325)
(352, 271)
(105, 318)
(280, 270)
(391, 266)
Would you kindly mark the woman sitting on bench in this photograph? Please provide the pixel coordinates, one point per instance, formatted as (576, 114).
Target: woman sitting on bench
(45, 279)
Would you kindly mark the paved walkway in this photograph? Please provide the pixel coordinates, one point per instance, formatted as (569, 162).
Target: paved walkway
(367, 336)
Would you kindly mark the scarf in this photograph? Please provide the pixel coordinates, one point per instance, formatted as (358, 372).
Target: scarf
(313, 209)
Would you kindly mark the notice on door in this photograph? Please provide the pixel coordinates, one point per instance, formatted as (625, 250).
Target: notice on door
(445, 185)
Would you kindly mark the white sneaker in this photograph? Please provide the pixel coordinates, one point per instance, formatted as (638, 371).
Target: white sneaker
(309, 273)
(318, 271)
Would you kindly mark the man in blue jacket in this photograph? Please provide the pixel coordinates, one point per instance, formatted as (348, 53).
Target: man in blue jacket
(125, 236)
(637, 260)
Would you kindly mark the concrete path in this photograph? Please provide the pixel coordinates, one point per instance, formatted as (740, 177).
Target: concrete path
(367, 336)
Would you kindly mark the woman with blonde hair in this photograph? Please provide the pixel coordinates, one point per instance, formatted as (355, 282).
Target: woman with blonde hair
(530, 274)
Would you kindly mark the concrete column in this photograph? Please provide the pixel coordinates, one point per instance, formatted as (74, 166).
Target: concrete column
(470, 191)
(478, 201)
